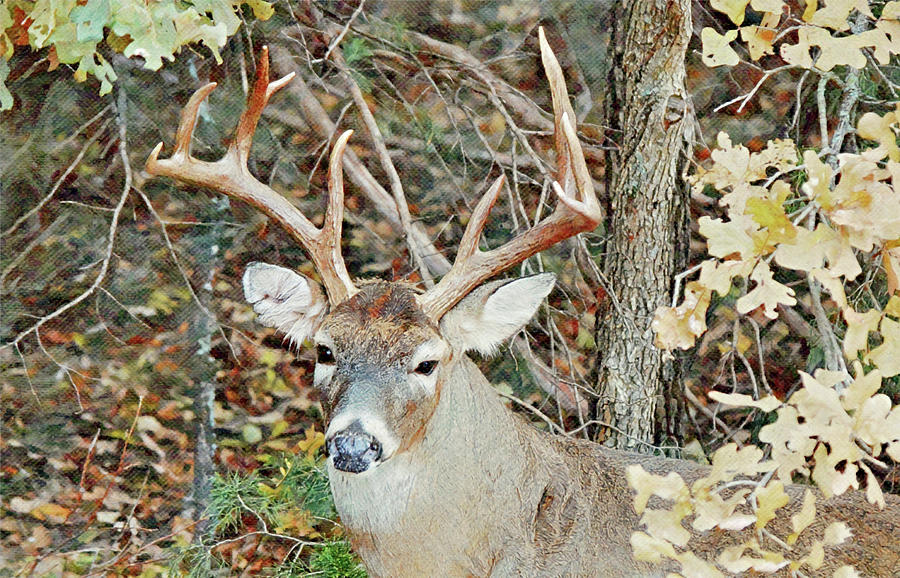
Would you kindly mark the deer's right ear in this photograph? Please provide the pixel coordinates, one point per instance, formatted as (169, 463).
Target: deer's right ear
(285, 300)
(494, 312)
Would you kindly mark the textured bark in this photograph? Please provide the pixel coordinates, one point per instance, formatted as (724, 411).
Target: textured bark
(202, 367)
(648, 116)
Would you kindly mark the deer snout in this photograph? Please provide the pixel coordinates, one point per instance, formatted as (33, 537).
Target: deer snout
(353, 450)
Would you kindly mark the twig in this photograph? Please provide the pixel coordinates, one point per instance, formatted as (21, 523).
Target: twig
(337, 40)
(62, 178)
(113, 227)
(550, 423)
(184, 275)
(823, 110)
(709, 413)
(744, 99)
(386, 164)
(676, 292)
(356, 171)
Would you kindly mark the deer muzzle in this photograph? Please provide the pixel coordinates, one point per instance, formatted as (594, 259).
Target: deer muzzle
(353, 450)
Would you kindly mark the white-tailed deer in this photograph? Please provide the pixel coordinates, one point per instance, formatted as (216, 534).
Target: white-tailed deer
(431, 473)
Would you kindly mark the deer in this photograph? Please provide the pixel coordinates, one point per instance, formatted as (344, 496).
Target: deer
(431, 473)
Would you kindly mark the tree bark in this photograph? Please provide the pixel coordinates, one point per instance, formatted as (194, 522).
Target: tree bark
(648, 116)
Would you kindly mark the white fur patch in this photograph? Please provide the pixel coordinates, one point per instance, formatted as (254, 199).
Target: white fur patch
(285, 300)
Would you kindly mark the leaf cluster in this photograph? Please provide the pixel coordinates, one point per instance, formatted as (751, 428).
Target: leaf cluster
(288, 499)
(79, 33)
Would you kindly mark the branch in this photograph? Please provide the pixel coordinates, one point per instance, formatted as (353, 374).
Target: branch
(356, 171)
(386, 164)
(111, 237)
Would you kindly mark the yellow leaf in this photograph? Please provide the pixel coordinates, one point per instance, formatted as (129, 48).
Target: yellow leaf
(836, 533)
(54, 512)
(678, 327)
(816, 556)
(832, 284)
(717, 275)
(811, 6)
(314, 440)
(893, 306)
(728, 237)
(770, 214)
(261, 10)
(666, 525)
(861, 388)
(767, 404)
(874, 495)
(834, 14)
(819, 176)
(887, 355)
(694, 567)
(734, 9)
(891, 262)
(714, 511)
(847, 50)
(759, 40)
(668, 487)
(649, 549)
(859, 325)
(878, 128)
(729, 461)
(768, 292)
(717, 50)
(768, 499)
(802, 519)
(769, 6)
(798, 54)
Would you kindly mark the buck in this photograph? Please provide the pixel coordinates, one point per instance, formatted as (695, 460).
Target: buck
(431, 473)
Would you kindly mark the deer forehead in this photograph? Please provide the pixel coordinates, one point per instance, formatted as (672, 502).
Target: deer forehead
(383, 320)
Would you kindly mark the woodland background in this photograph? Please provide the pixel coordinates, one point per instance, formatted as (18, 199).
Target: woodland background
(150, 426)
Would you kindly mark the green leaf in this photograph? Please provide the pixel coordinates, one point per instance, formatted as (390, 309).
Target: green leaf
(90, 20)
(251, 433)
(6, 98)
(261, 9)
(152, 29)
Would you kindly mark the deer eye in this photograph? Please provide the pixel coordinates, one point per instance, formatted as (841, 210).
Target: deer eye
(426, 367)
(324, 354)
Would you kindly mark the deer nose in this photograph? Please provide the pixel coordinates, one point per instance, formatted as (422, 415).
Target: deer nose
(353, 451)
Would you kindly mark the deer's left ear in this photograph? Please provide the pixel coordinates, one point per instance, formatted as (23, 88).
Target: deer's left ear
(494, 312)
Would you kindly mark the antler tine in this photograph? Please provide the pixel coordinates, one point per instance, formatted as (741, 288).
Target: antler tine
(570, 157)
(330, 235)
(577, 211)
(229, 175)
(469, 242)
(256, 102)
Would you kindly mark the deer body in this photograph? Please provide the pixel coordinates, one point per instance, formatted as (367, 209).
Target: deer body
(480, 492)
(431, 473)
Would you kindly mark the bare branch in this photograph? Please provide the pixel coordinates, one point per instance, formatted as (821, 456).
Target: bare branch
(111, 236)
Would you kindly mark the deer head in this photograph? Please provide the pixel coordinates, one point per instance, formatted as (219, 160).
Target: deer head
(384, 350)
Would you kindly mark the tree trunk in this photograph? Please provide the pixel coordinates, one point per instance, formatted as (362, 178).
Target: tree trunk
(648, 117)
(207, 250)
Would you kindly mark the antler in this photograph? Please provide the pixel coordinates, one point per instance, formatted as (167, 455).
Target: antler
(230, 176)
(578, 209)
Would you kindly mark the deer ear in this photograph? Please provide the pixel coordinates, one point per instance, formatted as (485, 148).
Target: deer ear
(492, 313)
(285, 300)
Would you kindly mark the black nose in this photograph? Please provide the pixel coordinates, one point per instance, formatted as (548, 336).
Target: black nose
(353, 451)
